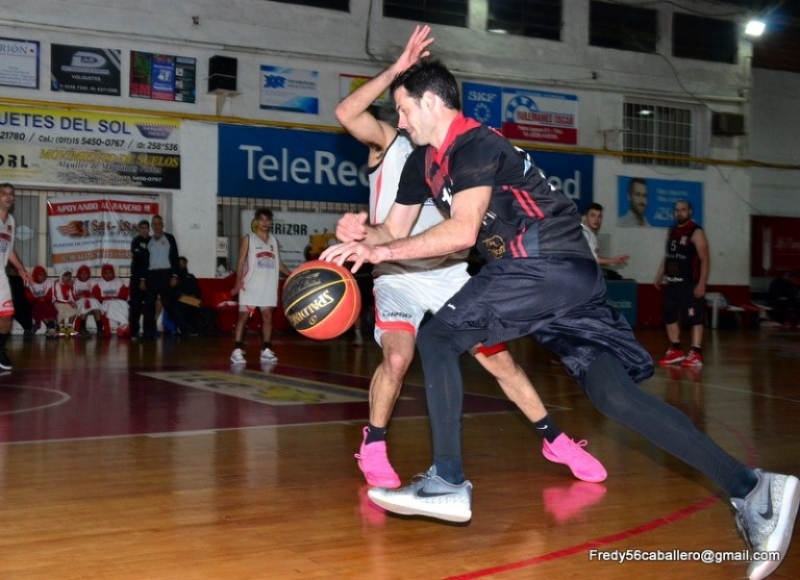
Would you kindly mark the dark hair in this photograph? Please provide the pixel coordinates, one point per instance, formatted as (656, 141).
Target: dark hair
(429, 75)
(264, 211)
(7, 185)
(596, 206)
(686, 201)
(143, 223)
(633, 181)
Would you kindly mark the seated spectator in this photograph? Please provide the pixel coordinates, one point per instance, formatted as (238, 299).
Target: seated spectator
(112, 293)
(186, 299)
(39, 292)
(64, 299)
(22, 308)
(783, 299)
(83, 288)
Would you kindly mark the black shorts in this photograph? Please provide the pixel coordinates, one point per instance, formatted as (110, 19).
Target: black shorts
(561, 303)
(681, 304)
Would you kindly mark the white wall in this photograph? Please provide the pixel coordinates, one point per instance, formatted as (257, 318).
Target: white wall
(362, 42)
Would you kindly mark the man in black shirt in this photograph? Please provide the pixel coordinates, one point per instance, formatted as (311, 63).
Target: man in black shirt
(140, 262)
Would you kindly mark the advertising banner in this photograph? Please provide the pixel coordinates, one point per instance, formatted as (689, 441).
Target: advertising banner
(289, 89)
(19, 63)
(45, 146)
(163, 77)
(572, 174)
(292, 164)
(94, 230)
(651, 202)
(524, 114)
(83, 69)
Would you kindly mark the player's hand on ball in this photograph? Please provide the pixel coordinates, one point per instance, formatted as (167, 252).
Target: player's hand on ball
(356, 252)
(352, 227)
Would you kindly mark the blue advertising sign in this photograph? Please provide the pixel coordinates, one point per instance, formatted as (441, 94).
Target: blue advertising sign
(651, 202)
(572, 174)
(292, 164)
(484, 103)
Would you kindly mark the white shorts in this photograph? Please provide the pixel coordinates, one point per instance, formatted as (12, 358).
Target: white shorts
(6, 302)
(401, 300)
(87, 305)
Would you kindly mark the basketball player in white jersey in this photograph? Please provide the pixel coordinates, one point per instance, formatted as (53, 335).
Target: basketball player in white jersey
(7, 254)
(257, 276)
(406, 291)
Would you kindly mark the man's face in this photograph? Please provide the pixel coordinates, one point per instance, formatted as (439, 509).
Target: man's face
(638, 198)
(158, 227)
(7, 197)
(83, 275)
(144, 230)
(414, 117)
(108, 274)
(594, 219)
(682, 213)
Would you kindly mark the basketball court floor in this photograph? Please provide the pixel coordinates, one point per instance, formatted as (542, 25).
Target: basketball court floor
(128, 461)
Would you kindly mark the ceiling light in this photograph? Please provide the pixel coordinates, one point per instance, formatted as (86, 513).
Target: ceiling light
(755, 28)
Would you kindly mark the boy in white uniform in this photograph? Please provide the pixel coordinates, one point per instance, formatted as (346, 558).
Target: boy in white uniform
(7, 254)
(257, 276)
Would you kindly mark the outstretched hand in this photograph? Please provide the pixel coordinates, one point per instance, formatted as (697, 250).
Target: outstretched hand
(416, 48)
(356, 252)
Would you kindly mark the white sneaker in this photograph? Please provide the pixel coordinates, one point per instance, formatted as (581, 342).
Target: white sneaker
(428, 495)
(268, 356)
(237, 356)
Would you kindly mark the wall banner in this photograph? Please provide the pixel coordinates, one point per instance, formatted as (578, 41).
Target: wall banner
(651, 202)
(571, 173)
(83, 69)
(163, 77)
(292, 164)
(524, 114)
(19, 63)
(94, 230)
(289, 89)
(44, 146)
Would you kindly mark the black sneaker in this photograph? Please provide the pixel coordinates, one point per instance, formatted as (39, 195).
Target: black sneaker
(5, 362)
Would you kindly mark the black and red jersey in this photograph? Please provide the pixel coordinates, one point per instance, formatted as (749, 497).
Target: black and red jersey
(681, 263)
(526, 216)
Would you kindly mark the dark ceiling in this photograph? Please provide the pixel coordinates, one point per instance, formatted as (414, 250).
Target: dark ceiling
(779, 47)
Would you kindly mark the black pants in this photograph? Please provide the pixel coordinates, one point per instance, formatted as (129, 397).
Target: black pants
(135, 307)
(157, 287)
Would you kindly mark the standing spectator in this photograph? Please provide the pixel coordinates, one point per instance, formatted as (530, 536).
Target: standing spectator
(7, 255)
(637, 204)
(162, 275)
(592, 222)
(83, 287)
(684, 273)
(257, 276)
(112, 294)
(22, 308)
(64, 299)
(140, 263)
(783, 292)
(39, 292)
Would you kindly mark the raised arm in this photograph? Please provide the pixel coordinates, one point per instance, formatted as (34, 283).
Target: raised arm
(353, 112)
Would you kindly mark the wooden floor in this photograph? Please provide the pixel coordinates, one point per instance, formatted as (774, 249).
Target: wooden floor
(154, 460)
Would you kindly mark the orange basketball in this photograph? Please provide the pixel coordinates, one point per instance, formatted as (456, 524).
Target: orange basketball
(321, 300)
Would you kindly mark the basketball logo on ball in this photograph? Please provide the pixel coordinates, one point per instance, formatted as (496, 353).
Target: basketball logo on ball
(321, 299)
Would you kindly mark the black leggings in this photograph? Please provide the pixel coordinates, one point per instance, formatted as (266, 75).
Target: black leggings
(608, 386)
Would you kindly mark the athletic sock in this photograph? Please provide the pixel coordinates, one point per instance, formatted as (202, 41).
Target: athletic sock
(676, 345)
(266, 344)
(547, 428)
(375, 434)
(239, 344)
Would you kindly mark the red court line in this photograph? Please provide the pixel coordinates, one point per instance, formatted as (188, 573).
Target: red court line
(644, 528)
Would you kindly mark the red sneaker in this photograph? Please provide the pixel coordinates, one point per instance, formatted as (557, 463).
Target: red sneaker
(674, 355)
(583, 465)
(373, 461)
(693, 360)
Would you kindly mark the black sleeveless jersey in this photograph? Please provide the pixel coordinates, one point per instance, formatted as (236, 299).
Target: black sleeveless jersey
(682, 263)
(526, 216)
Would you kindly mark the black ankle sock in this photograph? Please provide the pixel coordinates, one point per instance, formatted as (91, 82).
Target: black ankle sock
(547, 428)
(697, 349)
(744, 482)
(375, 434)
(266, 344)
(676, 345)
(239, 345)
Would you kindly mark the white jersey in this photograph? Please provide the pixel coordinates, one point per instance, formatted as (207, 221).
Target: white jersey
(110, 289)
(260, 284)
(383, 183)
(6, 240)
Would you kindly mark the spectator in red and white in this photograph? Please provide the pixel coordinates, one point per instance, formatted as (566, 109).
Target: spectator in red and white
(64, 299)
(112, 293)
(87, 303)
(39, 292)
